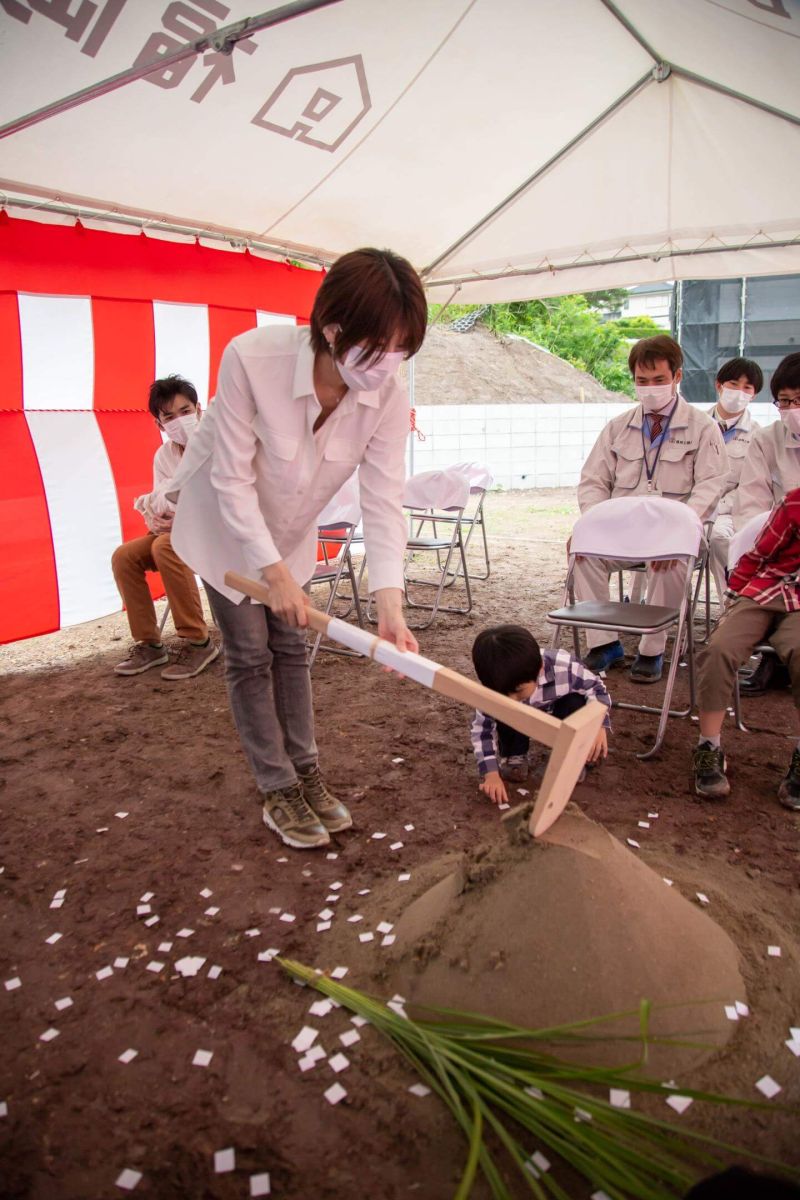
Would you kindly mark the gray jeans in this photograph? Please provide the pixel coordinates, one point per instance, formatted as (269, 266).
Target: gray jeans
(269, 686)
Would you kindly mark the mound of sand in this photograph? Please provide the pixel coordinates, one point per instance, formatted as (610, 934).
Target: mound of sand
(567, 927)
(481, 368)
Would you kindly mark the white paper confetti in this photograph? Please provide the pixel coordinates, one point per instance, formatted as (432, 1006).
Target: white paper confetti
(128, 1179)
(396, 846)
(189, 966)
(316, 1052)
(419, 1089)
(643, 824)
(335, 887)
(214, 972)
(408, 828)
(332, 898)
(339, 1062)
(128, 1056)
(366, 937)
(202, 1058)
(224, 1161)
(320, 1008)
(104, 973)
(768, 1087)
(332, 855)
(377, 837)
(164, 947)
(54, 937)
(653, 816)
(155, 967)
(326, 914)
(185, 933)
(120, 963)
(306, 1063)
(211, 911)
(668, 882)
(339, 972)
(322, 926)
(679, 1103)
(356, 917)
(259, 1184)
(634, 843)
(206, 893)
(363, 892)
(121, 815)
(793, 1044)
(359, 1021)
(56, 903)
(305, 1039)
(288, 918)
(742, 1009)
(64, 1002)
(335, 1093)
(351, 1036)
(250, 932)
(3, 1108)
(384, 927)
(49, 1035)
(702, 897)
(774, 951)
(619, 1098)
(398, 760)
(389, 940)
(12, 984)
(404, 878)
(731, 1013)
(152, 920)
(147, 896)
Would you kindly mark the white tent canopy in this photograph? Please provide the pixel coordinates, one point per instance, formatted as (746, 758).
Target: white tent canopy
(509, 148)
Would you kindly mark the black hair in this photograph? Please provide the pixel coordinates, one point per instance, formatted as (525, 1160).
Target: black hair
(164, 390)
(786, 374)
(733, 370)
(505, 657)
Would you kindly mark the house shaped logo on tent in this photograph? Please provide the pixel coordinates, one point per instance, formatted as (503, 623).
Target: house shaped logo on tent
(319, 104)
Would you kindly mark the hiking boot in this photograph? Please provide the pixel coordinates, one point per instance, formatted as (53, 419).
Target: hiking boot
(334, 815)
(514, 769)
(770, 673)
(789, 791)
(191, 660)
(647, 668)
(142, 657)
(710, 779)
(295, 822)
(604, 658)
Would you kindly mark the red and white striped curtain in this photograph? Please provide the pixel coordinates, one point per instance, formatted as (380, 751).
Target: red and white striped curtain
(87, 320)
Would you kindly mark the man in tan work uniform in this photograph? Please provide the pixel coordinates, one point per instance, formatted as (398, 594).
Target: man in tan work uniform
(664, 447)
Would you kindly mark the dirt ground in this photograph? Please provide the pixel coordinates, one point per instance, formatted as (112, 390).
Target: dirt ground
(114, 788)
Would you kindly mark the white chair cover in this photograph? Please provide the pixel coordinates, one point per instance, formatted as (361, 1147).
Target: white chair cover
(437, 489)
(345, 507)
(745, 539)
(638, 528)
(478, 474)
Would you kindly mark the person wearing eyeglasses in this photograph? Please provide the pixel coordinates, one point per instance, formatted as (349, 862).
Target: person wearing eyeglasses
(771, 469)
(738, 382)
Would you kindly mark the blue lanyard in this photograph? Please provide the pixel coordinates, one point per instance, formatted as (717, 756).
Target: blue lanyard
(650, 471)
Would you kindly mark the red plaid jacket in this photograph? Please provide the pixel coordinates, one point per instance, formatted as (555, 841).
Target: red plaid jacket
(770, 570)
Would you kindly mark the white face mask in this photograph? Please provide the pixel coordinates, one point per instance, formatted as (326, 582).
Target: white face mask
(791, 419)
(654, 397)
(733, 401)
(368, 378)
(180, 429)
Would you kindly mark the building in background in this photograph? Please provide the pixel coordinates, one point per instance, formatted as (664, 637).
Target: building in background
(718, 319)
(652, 300)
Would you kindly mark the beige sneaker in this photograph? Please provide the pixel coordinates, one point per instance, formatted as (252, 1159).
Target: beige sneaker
(296, 824)
(191, 660)
(141, 658)
(334, 815)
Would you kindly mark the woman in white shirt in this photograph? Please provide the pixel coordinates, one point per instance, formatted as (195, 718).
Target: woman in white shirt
(297, 410)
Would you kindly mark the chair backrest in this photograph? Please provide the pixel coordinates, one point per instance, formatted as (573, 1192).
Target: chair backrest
(638, 528)
(746, 537)
(479, 476)
(344, 508)
(437, 489)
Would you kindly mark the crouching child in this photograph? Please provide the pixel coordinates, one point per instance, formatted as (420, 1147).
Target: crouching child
(508, 659)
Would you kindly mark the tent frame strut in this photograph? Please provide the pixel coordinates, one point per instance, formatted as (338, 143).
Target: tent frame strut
(222, 41)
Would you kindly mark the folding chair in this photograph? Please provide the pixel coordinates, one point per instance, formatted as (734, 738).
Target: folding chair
(443, 496)
(480, 479)
(337, 526)
(164, 617)
(740, 543)
(635, 529)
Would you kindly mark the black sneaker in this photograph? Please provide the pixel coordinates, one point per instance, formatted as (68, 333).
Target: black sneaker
(647, 668)
(789, 791)
(710, 780)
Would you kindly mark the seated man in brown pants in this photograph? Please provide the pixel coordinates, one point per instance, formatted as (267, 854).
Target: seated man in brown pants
(173, 404)
(765, 590)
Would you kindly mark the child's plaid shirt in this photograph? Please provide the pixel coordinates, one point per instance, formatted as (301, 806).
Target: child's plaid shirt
(769, 571)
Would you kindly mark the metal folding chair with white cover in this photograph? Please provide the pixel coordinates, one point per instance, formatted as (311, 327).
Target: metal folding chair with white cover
(741, 542)
(442, 494)
(636, 529)
(337, 526)
(480, 480)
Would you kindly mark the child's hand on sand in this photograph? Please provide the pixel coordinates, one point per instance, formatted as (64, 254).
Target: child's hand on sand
(493, 786)
(599, 748)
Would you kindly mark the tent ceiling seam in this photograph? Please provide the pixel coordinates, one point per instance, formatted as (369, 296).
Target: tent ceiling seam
(538, 173)
(630, 28)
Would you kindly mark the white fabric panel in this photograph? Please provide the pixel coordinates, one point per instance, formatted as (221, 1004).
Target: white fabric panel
(270, 318)
(345, 506)
(182, 343)
(745, 539)
(84, 514)
(636, 527)
(436, 489)
(57, 351)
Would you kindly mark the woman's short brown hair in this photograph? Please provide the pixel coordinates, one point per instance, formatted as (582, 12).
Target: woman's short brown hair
(373, 295)
(647, 352)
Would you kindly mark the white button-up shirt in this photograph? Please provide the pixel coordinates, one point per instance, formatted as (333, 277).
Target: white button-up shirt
(255, 477)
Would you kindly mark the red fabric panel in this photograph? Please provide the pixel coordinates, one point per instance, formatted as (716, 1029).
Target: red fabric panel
(70, 260)
(28, 585)
(124, 353)
(224, 324)
(11, 355)
(131, 441)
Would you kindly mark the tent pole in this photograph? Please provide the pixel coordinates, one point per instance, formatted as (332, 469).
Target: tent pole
(223, 41)
(551, 162)
(632, 30)
(701, 81)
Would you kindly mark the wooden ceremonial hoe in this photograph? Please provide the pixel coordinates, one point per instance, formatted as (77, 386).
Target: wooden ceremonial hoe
(570, 740)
